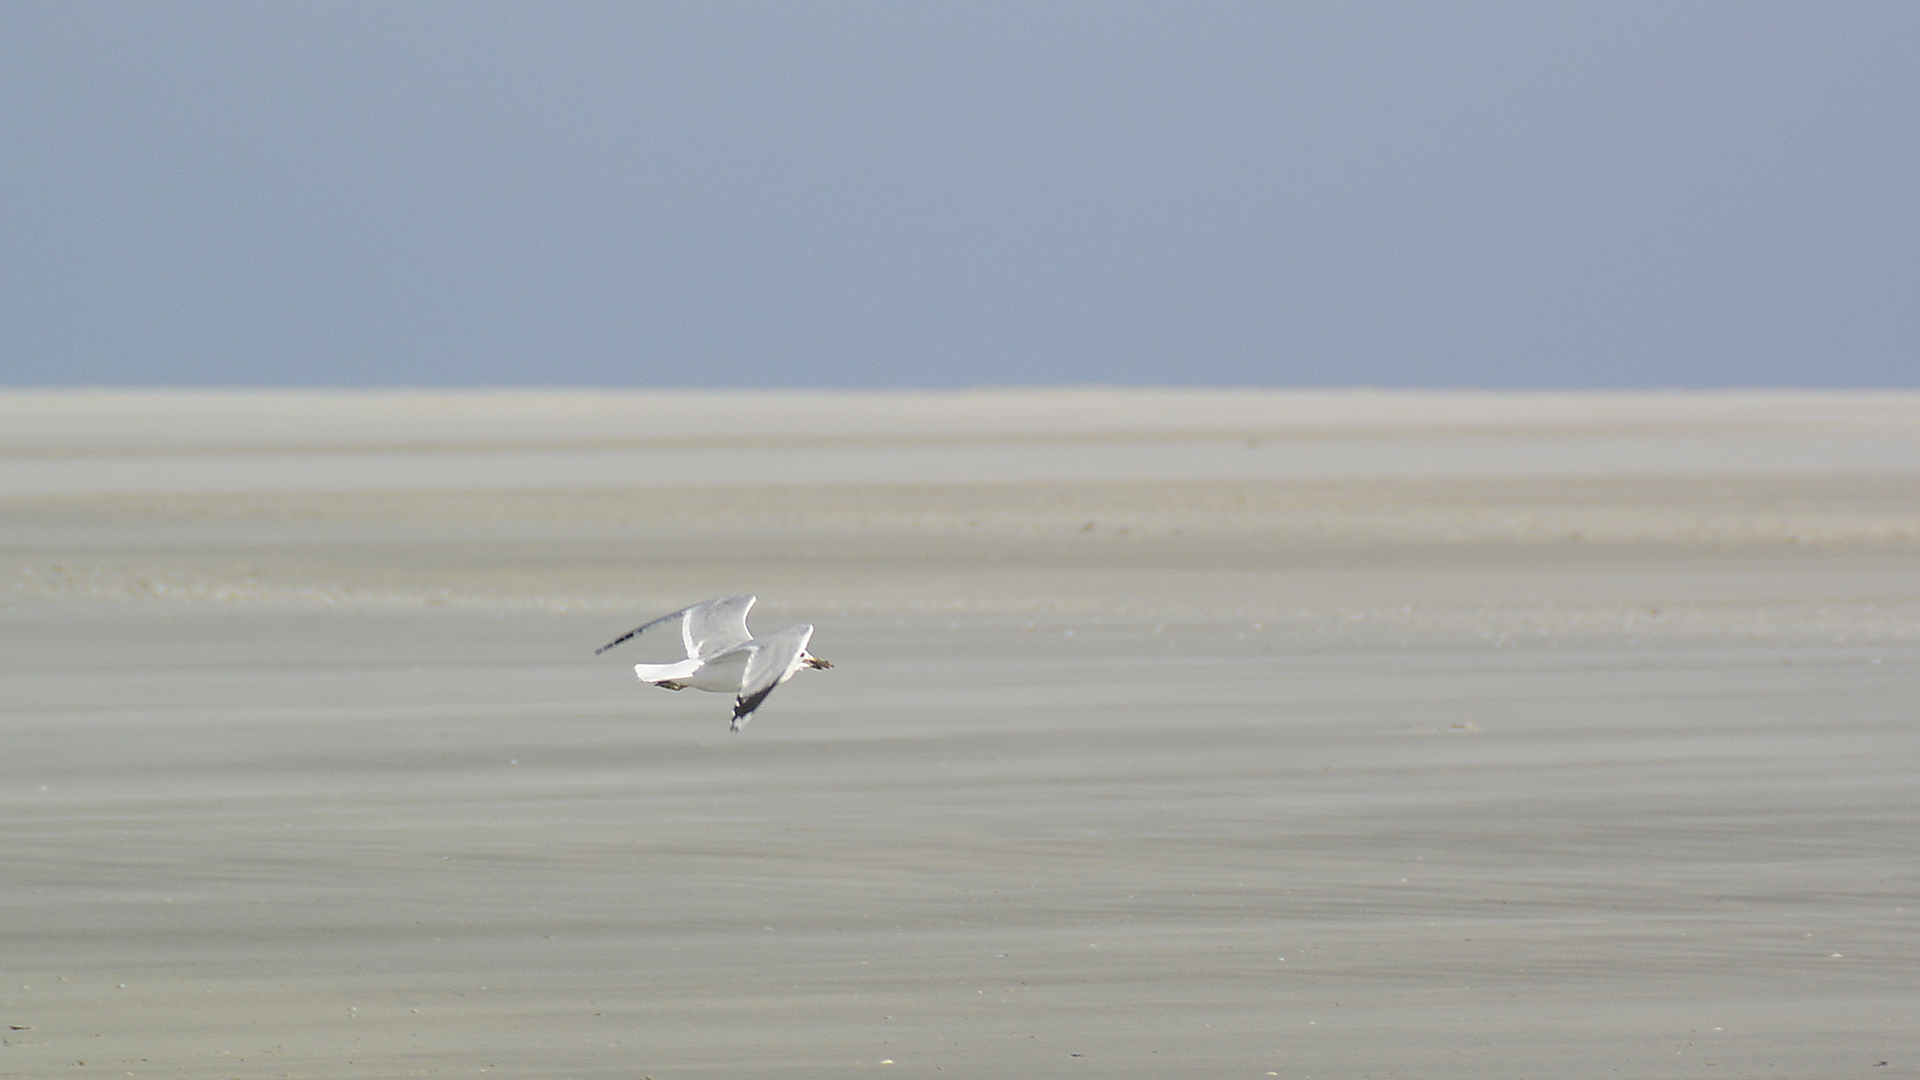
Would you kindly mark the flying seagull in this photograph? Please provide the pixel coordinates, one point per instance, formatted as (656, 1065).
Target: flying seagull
(722, 656)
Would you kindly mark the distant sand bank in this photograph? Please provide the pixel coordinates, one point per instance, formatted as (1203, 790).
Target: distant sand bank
(1123, 503)
(132, 442)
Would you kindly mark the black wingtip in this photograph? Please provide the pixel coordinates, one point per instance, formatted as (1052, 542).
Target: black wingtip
(628, 636)
(743, 707)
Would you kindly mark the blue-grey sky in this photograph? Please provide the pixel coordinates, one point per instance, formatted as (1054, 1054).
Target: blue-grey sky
(1466, 194)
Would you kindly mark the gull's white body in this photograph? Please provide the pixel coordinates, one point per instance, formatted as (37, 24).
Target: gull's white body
(723, 657)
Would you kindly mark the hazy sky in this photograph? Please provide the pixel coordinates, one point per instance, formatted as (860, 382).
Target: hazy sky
(902, 194)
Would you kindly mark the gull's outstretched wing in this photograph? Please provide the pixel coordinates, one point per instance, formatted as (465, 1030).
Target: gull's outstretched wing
(717, 625)
(772, 663)
(705, 628)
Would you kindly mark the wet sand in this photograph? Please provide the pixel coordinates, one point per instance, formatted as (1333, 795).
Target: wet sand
(1189, 734)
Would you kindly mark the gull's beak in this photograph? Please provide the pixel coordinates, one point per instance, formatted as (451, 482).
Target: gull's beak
(818, 664)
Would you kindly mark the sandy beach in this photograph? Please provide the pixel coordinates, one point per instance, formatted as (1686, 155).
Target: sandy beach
(1171, 733)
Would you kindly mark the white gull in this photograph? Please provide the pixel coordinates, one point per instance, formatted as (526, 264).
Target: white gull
(722, 656)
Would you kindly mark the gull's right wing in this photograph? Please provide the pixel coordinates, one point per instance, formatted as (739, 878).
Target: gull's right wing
(706, 628)
(717, 625)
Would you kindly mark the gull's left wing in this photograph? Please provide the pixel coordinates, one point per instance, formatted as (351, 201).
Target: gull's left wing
(773, 662)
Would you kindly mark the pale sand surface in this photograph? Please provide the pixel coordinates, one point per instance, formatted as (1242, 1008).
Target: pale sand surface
(1189, 734)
